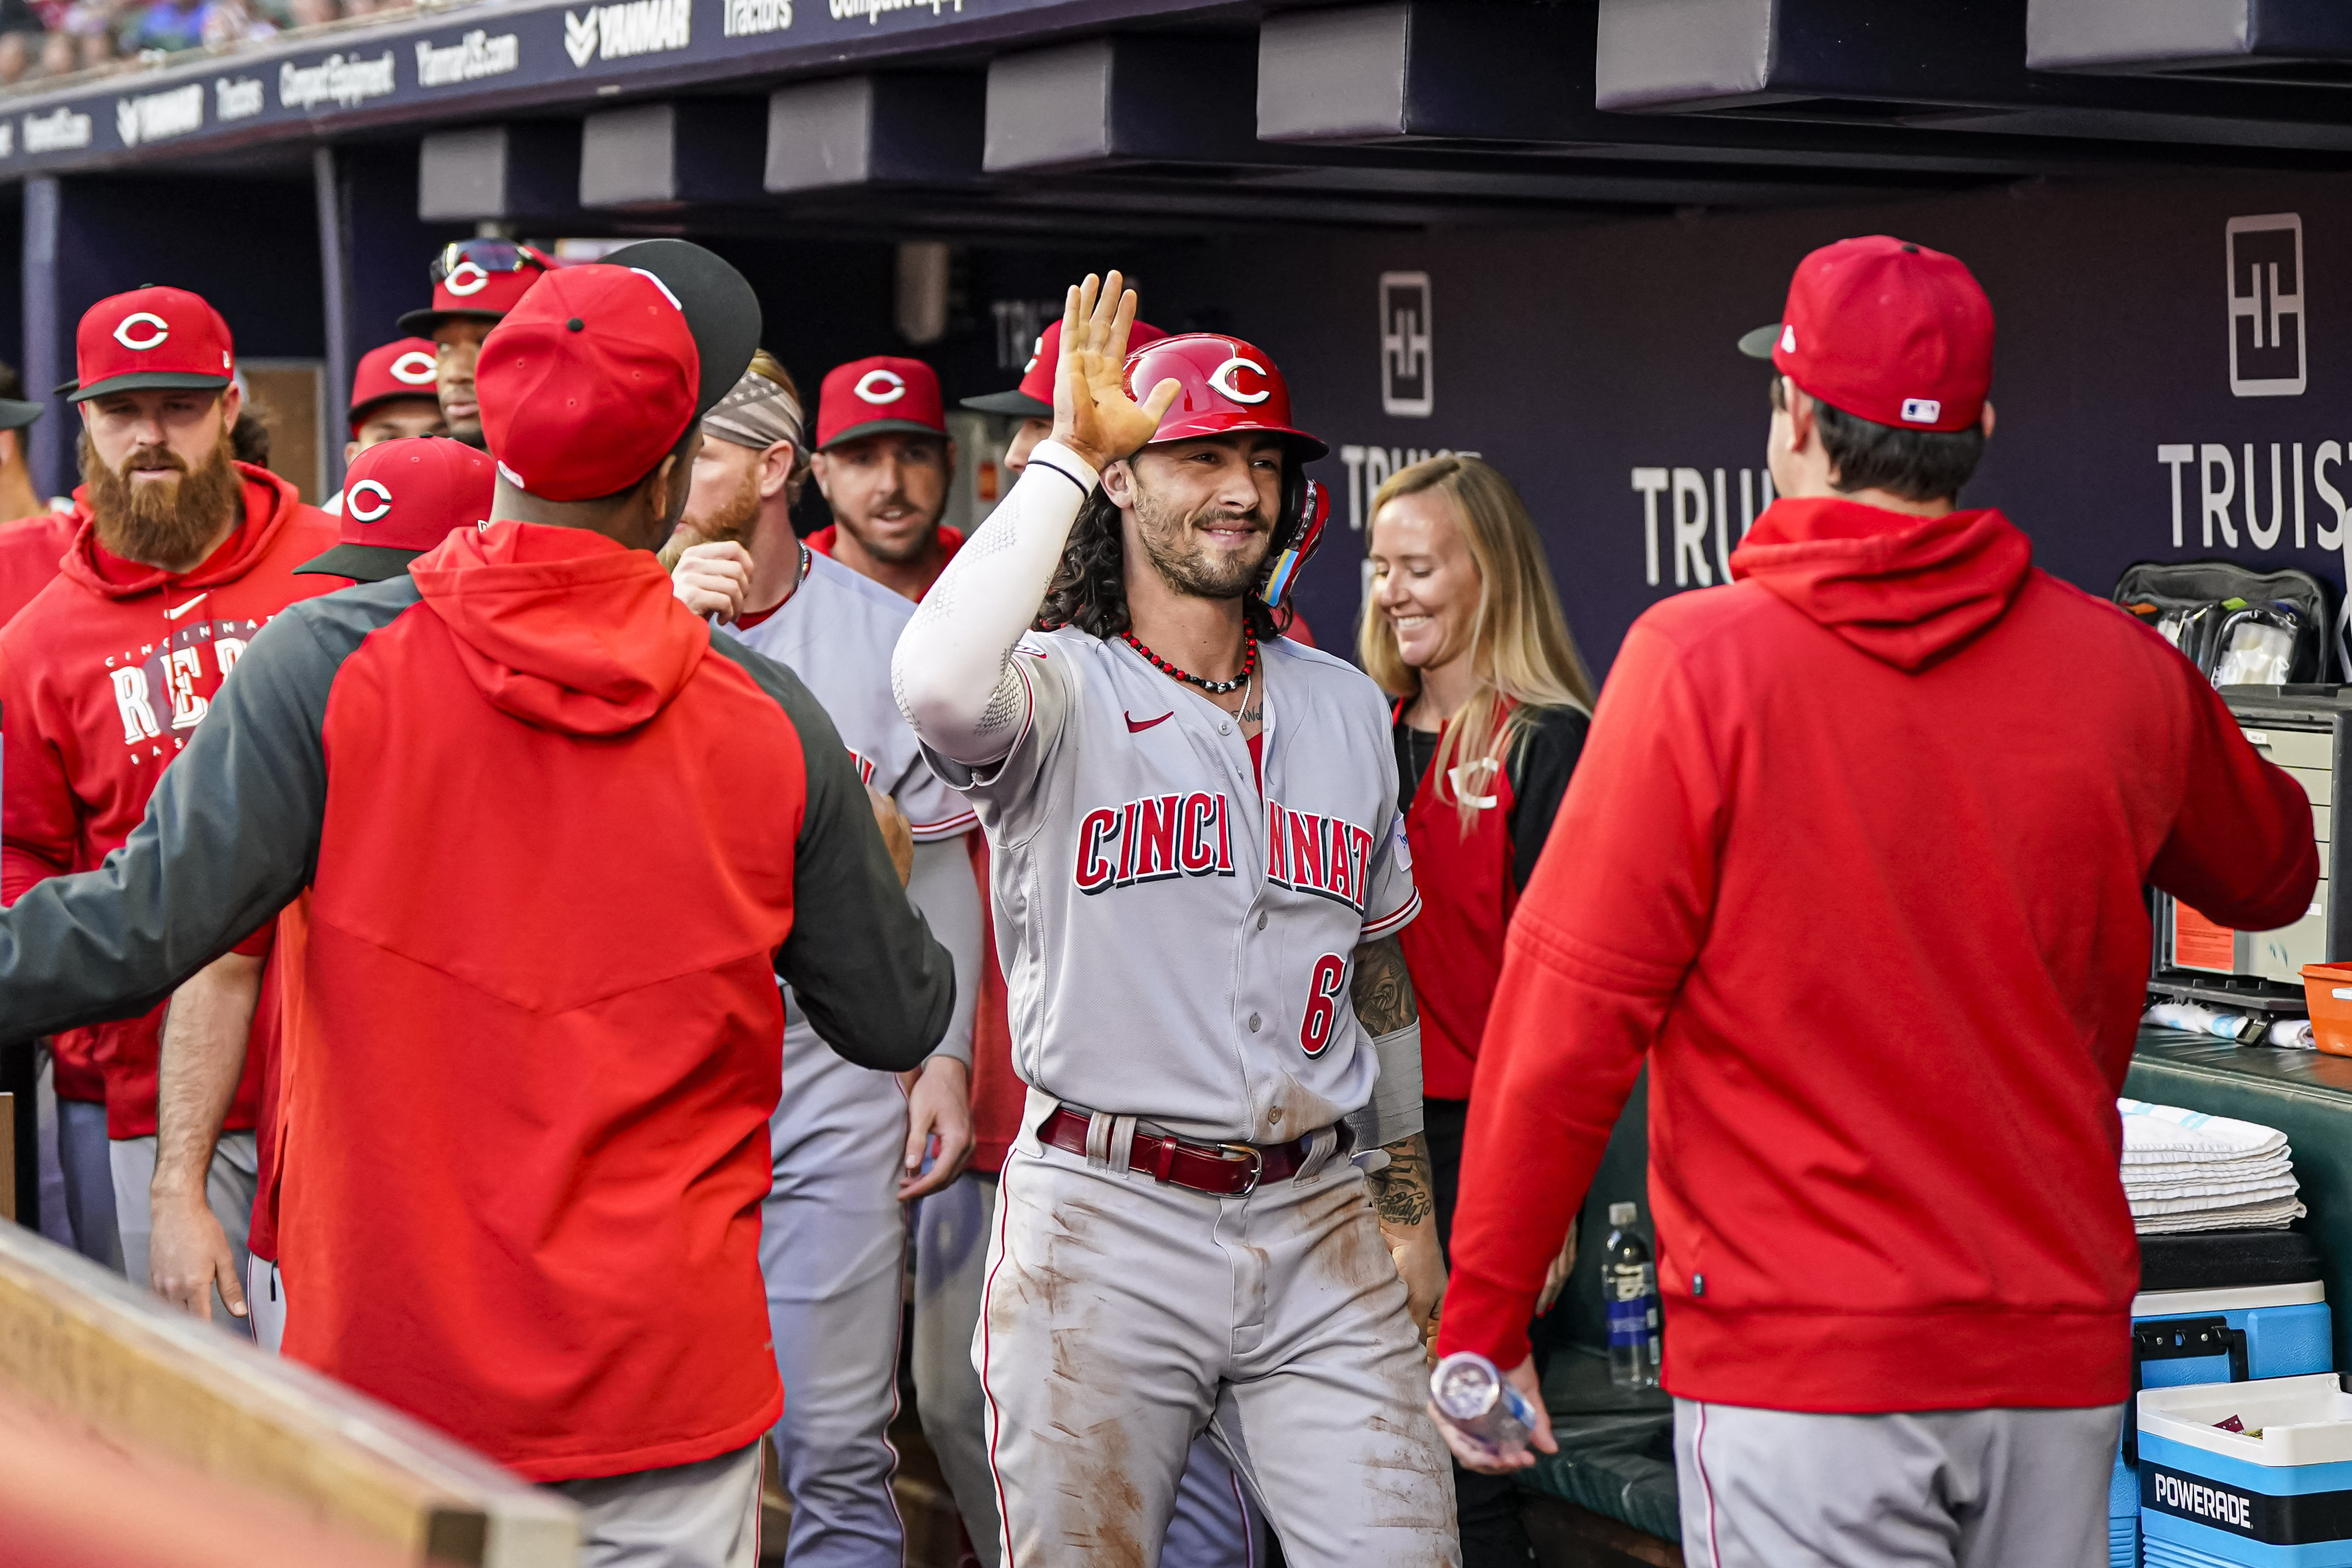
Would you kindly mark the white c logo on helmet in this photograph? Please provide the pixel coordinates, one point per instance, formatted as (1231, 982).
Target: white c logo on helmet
(122, 334)
(366, 501)
(465, 278)
(1222, 380)
(891, 379)
(414, 368)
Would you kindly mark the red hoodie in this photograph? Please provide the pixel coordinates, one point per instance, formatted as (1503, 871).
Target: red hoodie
(1855, 858)
(103, 676)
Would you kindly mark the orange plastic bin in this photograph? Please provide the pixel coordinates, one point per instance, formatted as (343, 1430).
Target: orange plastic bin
(2328, 987)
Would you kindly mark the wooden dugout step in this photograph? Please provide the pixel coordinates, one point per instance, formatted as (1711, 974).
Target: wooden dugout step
(189, 1417)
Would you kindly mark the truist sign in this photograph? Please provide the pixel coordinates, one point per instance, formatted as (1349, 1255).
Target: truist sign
(2266, 306)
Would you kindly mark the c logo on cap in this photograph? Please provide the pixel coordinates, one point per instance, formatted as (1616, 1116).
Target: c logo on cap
(891, 379)
(1222, 380)
(415, 367)
(366, 489)
(1036, 352)
(123, 332)
(465, 278)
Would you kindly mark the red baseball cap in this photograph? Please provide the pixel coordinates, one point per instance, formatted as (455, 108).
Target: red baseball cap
(877, 396)
(588, 382)
(478, 280)
(1229, 386)
(400, 499)
(1887, 330)
(150, 338)
(401, 368)
(1034, 398)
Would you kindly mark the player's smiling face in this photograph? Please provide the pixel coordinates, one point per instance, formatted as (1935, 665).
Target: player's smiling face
(1203, 510)
(1424, 584)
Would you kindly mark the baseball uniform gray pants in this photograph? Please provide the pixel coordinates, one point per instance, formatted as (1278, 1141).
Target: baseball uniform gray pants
(1123, 1318)
(229, 1187)
(1947, 1488)
(833, 1246)
(703, 1515)
(77, 1177)
(264, 1299)
(1214, 1525)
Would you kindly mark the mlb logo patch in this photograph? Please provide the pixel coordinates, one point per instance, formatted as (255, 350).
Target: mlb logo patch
(1922, 410)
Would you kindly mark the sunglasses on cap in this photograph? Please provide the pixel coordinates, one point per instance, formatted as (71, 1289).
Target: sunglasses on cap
(484, 255)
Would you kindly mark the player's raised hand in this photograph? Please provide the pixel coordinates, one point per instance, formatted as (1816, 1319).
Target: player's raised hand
(1093, 415)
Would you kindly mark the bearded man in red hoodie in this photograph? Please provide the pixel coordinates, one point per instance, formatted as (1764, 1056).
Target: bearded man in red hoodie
(1854, 859)
(178, 556)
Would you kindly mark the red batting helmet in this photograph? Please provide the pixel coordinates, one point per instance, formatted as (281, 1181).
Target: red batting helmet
(1228, 386)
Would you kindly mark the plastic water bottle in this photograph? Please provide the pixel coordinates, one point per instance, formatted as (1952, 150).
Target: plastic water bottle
(1476, 1401)
(1629, 1282)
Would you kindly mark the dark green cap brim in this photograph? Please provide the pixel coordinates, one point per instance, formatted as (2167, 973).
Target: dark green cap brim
(16, 414)
(882, 427)
(145, 380)
(425, 323)
(1757, 345)
(362, 563)
(1019, 404)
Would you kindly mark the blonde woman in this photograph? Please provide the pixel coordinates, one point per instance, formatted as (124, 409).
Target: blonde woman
(1492, 701)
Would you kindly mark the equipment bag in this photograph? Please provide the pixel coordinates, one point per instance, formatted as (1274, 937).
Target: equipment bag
(2239, 626)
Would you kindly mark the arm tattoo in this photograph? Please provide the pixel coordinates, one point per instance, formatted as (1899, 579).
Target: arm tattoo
(1401, 1190)
(1382, 990)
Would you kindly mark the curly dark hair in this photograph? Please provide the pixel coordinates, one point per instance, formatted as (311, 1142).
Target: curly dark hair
(1089, 589)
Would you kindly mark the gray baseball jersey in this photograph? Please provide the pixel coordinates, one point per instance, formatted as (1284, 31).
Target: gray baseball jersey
(836, 633)
(1178, 940)
(832, 1234)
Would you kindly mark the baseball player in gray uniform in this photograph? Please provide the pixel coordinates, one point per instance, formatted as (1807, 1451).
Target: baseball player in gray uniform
(1198, 872)
(833, 1233)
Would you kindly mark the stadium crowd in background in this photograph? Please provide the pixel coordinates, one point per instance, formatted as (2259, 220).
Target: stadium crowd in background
(43, 39)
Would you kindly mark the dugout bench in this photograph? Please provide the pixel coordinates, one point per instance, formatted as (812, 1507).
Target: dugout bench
(1608, 1497)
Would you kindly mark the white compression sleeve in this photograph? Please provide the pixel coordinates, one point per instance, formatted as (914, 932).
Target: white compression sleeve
(1394, 1114)
(943, 888)
(953, 673)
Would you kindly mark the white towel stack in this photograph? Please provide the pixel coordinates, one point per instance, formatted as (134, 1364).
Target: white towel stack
(2184, 1170)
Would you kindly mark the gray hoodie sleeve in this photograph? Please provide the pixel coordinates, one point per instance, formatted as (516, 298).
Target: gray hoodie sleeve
(230, 835)
(876, 985)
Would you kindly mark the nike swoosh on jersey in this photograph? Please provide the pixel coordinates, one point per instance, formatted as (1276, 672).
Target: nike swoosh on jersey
(178, 611)
(1135, 728)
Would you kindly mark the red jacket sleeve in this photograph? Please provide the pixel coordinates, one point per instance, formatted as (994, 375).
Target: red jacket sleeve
(1610, 925)
(2241, 852)
(40, 822)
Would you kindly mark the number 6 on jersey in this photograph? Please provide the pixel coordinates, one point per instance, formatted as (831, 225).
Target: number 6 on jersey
(1322, 1003)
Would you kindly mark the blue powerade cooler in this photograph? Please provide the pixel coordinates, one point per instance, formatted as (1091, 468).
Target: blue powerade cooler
(2216, 1308)
(2276, 1493)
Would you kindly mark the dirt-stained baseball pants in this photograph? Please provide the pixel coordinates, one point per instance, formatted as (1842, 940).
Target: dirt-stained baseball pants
(702, 1515)
(1122, 1317)
(1951, 1489)
(1214, 1525)
(833, 1246)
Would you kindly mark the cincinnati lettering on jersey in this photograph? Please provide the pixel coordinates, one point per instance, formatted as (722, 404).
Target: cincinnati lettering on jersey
(1329, 857)
(161, 690)
(1154, 839)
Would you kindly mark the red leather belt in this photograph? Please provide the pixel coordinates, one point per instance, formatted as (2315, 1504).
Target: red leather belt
(1221, 1170)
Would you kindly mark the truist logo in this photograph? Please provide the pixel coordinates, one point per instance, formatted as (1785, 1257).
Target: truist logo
(1327, 856)
(1155, 838)
(2267, 311)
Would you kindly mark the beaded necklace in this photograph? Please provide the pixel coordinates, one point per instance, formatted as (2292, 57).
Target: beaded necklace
(1215, 689)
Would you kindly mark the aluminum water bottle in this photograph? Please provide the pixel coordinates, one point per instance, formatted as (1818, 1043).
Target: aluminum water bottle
(1628, 1283)
(1476, 1401)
